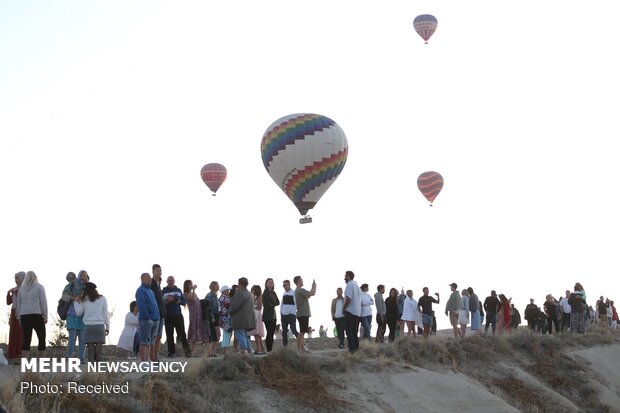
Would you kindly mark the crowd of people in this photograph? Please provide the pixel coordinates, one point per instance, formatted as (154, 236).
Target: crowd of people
(228, 321)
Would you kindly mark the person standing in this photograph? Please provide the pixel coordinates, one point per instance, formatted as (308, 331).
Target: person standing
(565, 306)
(426, 306)
(338, 316)
(31, 309)
(198, 330)
(159, 298)
(16, 334)
(225, 317)
(242, 315)
(173, 299)
(288, 312)
(515, 318)
(148, 316)
(491, 307)
(601, 308)
(474, 308)
(214, 325)
(531, 314)
(504, 315)
(270, 302)
(75, 325)
(94, 309)
(259, 330)
(551, 311)
(391, 313)
(464, 312)
(411, 314)
(352, 310)
(401, 302)
(381, 313)
(453, 306)
(578, 309)
(302, 303)
(366, 316)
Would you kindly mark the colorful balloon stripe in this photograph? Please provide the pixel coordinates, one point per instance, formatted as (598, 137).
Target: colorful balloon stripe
(430, 184)
(286, 133)
(304, 154)
(304, 181)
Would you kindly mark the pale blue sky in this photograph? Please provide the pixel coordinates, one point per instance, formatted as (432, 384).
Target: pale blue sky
(108, 110)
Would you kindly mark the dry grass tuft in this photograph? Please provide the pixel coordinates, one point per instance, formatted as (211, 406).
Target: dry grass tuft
(421, 352)
(158, 394)
(523, 396)
(289, 373)
(232, 366)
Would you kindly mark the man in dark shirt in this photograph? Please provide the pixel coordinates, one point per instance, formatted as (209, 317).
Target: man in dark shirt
(425, 303)
(531, 314)
(551, 310)
(174, 299)
(491, 307)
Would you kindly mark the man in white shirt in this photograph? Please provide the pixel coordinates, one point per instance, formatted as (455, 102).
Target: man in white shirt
(338, 316)
(288, 312)
(565, 312)
(352, 310)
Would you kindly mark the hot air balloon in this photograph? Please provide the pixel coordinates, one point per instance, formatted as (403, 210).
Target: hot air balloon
(425, 25)
(430, 184)
(214, 175)
(304, 154)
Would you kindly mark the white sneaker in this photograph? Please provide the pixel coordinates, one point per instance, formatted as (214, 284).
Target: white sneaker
(306, 349)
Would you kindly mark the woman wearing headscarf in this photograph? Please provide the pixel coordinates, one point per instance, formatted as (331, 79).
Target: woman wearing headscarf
(31, 309)
(75, 325)
(16, 334)
(94, 309)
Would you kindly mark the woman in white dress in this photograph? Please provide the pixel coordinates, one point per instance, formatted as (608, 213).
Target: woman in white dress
(411, 314)
(127, 339)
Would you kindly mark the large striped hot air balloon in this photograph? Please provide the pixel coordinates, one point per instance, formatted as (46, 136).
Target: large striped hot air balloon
(430, 184)
(304, 154)
(425, 25)
(214, 175)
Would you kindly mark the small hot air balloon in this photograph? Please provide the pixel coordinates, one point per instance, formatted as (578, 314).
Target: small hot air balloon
(425, 25)
(304, 154)
(430, 184)
(214, 175)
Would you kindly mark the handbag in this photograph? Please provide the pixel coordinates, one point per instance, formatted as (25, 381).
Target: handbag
(63, 309)
(63, 306)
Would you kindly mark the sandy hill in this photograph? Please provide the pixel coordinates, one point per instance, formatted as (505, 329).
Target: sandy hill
(522, 372)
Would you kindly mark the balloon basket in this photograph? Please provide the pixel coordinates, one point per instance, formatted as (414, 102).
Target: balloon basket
(212, 194)
(305, 220)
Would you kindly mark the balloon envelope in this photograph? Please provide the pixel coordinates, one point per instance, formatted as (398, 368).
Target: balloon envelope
(214, 175)
(304, 154)
(425, 25)
(430, 184)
